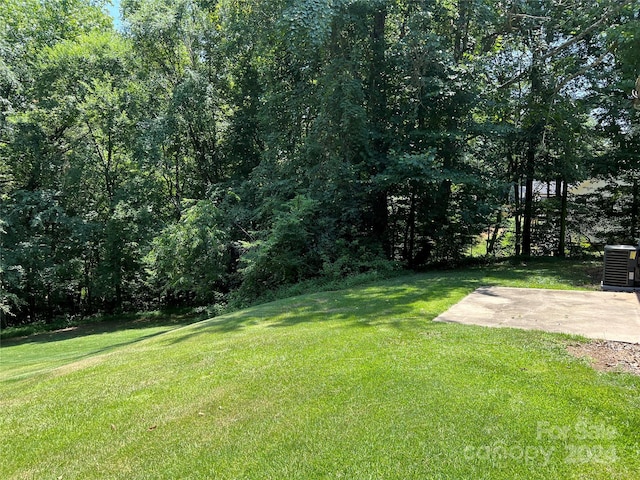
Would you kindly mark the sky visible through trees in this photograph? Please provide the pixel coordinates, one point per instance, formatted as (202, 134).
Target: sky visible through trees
(114, 10)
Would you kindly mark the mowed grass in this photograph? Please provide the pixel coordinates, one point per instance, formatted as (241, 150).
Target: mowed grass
(354, 384)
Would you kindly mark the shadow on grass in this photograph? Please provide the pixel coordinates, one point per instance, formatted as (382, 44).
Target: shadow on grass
(400, 302)
(110, 325)
(403, 302)
(23, 357)
(365, 307)
(27, 369)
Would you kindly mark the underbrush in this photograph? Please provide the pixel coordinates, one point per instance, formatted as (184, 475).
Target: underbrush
(585, 272)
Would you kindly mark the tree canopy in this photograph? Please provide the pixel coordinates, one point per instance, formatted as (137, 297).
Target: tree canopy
(214, 147)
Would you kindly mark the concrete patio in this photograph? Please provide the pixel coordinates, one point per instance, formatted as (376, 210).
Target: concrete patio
(600, 315)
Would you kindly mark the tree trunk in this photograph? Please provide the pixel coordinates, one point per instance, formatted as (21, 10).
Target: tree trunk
(377, 115)
(535, 130)
(461, 39)
(491, 241)
(517, 219)
(563, 220)
(411, 223)
(528, 205)
(635, 206)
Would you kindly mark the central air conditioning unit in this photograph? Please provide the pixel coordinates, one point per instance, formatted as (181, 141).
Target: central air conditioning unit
(621, 268)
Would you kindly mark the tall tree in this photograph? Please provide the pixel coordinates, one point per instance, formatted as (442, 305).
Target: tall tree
(556, 52)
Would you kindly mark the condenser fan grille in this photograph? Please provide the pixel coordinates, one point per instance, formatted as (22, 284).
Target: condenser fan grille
(620, 265)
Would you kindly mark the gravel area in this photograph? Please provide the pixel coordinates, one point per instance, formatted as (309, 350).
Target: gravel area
(609, 356)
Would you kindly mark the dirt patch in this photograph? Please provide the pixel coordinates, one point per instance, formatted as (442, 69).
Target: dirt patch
(607, 356)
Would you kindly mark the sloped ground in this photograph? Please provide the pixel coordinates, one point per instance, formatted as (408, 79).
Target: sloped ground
(357, 383)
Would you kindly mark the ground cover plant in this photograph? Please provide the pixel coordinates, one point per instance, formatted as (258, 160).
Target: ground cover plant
(355, 383)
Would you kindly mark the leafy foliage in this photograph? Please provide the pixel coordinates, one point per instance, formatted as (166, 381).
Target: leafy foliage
(189, 256)
(355, 136)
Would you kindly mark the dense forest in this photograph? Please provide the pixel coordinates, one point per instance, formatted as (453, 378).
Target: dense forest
(210, 148)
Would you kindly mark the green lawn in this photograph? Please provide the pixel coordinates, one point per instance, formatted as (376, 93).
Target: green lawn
(353, 384)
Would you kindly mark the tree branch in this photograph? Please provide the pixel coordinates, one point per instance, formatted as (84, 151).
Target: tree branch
(572, 41)
(515, 79)
(528, 17)
(577, 38)
(573, 76)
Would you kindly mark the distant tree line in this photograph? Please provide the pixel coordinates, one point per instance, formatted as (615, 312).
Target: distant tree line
(217, 147)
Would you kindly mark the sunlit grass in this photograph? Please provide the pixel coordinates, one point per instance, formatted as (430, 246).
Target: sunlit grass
(357, 383)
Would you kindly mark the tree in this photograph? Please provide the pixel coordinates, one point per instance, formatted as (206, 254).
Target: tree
(95, 121)
(553, 58)
(40, 261)
(219, 145)
(189, 257)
